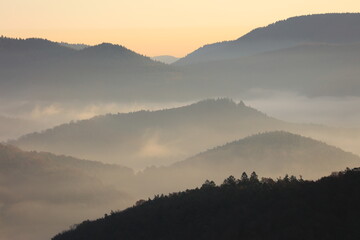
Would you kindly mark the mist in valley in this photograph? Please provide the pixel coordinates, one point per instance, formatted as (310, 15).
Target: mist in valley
(151, 146)
(87, 130)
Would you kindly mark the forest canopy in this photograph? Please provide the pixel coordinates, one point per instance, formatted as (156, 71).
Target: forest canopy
(245, 208)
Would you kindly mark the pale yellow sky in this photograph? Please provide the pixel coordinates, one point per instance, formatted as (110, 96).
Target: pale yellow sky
(156, 27)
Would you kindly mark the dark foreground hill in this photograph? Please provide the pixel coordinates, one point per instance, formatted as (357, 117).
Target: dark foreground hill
(49, 192)
(239, 209)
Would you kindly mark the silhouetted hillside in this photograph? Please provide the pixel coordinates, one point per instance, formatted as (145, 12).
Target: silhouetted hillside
(35, 188)
(309, 69)
(271, 154)
(315, 55)
(37, 69)
(320, 28)
(36, 48)
(146, 138)
(239, 209)
(47, 185)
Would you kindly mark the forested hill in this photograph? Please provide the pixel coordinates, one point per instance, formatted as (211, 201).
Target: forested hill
(144, 138)
(272, 154)
(338, 28)
(40, 69)
(44, 191)
(239, 209)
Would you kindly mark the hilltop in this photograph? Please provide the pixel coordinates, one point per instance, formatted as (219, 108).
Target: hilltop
(145, 138)
(334, 28)
(239, 209)
(270, 154)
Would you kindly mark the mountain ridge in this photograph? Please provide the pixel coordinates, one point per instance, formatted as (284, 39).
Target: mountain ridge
(40, 69)
(37, 187)
(269, 154)
(143, 138)
(303, 69)
(284, 33)
(161, 135)
(246, 208)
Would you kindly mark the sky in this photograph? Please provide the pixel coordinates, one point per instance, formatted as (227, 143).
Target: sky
(156, 27)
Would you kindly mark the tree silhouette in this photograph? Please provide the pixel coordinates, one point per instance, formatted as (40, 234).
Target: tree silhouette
(254, 177)
(208, 184)
(230, 181)
(244, 177)
(325, 209)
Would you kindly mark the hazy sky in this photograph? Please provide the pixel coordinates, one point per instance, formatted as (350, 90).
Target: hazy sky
(156, 27)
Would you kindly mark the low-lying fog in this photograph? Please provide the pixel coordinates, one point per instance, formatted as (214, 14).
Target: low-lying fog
(179, 139)
(332, 111)
(18, 118)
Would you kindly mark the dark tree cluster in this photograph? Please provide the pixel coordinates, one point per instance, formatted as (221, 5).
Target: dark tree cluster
(245, 208)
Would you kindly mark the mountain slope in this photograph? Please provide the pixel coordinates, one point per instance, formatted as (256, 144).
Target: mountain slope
(273, 154)
(270, 154)
(37, 69)
(321, 28)
(146, 138)
(45, 185)
(310, 69)
(286, 209)
(307, 62)
(36, 188)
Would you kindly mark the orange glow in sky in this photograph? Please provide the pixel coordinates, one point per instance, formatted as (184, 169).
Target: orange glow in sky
(157, 27)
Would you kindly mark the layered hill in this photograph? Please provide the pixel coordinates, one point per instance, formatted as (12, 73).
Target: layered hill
(270, 154)
(315, 55)
(36, 188)
(38, 69)
(285, 209)
(274, 154)
(320, 28)
(313, 70)
(145, 138)
(165, 59)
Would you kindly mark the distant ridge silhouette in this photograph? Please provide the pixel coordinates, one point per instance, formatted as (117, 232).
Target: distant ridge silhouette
(46, 70)
(338, 28)
(165, 59)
